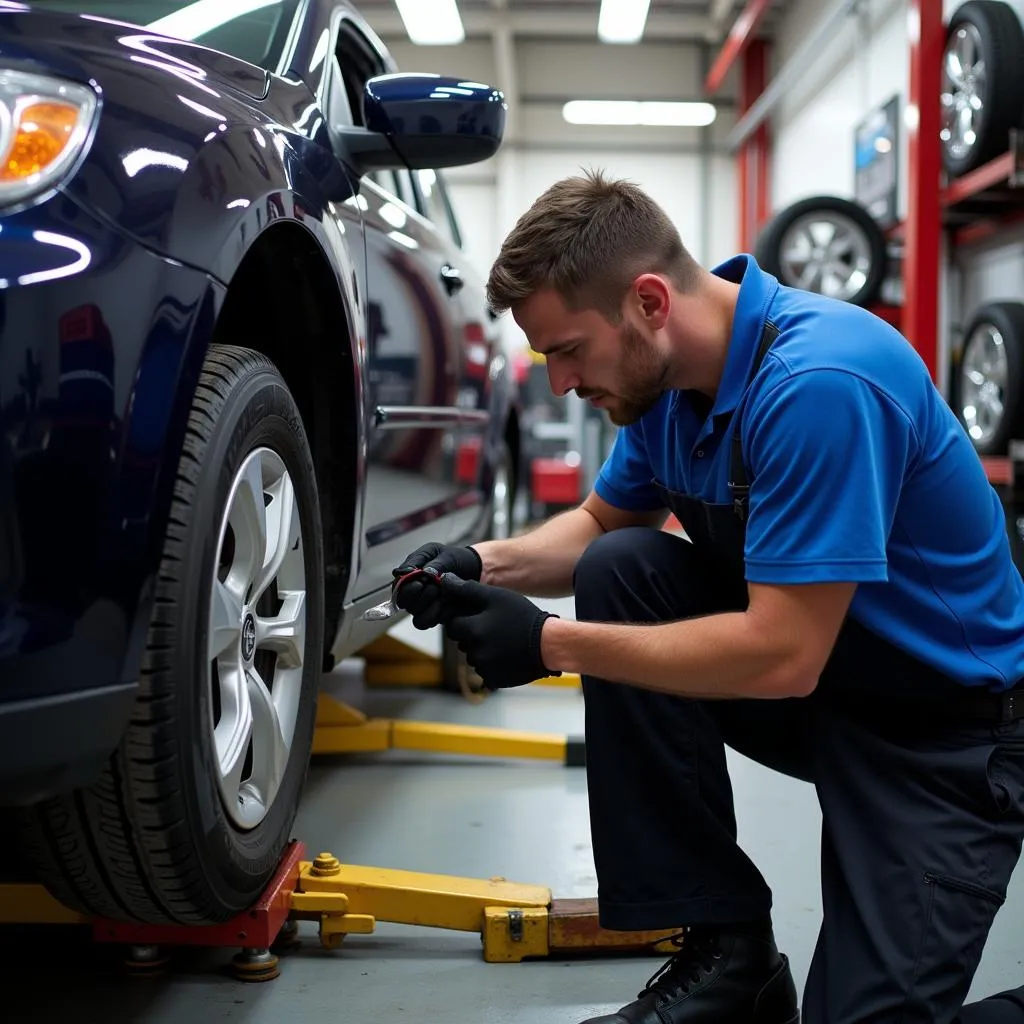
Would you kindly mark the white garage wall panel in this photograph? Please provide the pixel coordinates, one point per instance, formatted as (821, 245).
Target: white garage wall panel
(860, 67)
(679, 167)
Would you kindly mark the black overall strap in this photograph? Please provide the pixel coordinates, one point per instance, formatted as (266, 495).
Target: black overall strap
(739, 486)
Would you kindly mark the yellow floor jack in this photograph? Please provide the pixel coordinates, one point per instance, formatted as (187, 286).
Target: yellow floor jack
(515, 921)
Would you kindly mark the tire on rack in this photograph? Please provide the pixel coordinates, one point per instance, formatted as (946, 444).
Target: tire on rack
(986, 388)
(457, 676)
(982, 84)
(828, 245)
(190, 817)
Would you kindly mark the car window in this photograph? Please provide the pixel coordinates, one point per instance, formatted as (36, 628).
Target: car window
(254, 30)
(435, 204)
(397, 183)
(358, 63)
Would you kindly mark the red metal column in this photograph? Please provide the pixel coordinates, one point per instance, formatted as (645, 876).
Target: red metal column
(921, 267)
(752, 175)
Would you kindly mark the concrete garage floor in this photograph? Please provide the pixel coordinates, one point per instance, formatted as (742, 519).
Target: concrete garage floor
(524, 820)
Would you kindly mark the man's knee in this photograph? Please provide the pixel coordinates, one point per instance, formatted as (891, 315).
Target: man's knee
(616, 578)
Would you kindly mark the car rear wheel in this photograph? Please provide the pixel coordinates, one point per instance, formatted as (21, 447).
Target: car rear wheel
(190, 818)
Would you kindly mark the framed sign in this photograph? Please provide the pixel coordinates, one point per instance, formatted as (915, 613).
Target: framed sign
(876, 163)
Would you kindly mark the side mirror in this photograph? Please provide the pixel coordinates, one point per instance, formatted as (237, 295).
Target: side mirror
(425, 121)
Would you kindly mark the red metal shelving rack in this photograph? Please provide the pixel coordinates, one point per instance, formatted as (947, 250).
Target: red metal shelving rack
(965, 210)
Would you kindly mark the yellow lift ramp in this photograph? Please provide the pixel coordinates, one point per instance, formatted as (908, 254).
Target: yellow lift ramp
(390, 662)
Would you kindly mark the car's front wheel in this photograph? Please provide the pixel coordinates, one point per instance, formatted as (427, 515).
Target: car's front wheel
(194, 810)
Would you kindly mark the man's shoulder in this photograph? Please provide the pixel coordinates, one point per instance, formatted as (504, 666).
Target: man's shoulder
(820, 337)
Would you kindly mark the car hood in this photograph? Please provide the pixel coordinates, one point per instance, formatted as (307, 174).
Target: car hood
(82, 47)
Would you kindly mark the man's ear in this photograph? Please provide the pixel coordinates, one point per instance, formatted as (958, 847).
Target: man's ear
(653, 298)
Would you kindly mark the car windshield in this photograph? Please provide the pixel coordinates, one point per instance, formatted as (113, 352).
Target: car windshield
(255, 30)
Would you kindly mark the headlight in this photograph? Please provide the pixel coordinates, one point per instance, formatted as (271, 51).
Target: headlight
(44, 125)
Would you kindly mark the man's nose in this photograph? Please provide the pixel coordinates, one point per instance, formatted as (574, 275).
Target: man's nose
(562, 381)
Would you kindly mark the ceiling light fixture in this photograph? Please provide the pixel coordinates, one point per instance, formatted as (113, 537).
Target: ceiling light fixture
(432, 22)
(639, 112)
(622, 21)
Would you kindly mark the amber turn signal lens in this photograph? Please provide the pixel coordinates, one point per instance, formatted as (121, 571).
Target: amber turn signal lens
(38, 137)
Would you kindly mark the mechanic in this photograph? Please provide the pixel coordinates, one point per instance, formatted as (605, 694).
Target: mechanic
(843, 609)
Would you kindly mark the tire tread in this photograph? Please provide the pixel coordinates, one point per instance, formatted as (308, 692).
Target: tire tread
(122, 850)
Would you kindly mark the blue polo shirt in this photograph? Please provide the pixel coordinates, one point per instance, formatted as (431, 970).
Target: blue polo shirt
(859, 472)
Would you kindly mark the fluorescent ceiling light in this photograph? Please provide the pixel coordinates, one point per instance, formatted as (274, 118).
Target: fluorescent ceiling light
(432, 22)
(639, 112)
(622, 21)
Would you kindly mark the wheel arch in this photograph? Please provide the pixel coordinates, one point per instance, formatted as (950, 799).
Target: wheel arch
(309, 338)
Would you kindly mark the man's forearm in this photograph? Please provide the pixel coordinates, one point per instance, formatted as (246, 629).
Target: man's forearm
(540, 563)
(728, 655)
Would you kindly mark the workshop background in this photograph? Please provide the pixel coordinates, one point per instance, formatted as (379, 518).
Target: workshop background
(782, 101)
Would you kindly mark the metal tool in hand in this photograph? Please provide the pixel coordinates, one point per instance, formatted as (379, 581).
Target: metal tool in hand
(389, 609)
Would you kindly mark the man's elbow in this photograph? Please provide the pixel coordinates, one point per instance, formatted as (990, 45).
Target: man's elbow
(793, 676)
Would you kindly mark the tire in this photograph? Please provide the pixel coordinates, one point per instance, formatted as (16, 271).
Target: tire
(155, 839)
(978, 112)
(795, 245)
(456, 674)
(987, 377)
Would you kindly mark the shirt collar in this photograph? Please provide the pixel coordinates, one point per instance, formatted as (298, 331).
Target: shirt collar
(757, 290)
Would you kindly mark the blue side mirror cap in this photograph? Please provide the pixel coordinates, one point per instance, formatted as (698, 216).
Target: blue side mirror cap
(436, 121)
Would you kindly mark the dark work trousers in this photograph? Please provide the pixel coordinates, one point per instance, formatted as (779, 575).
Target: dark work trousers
(922, 820)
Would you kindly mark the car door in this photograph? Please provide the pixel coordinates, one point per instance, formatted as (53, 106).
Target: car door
(477, 338)
(411, 492)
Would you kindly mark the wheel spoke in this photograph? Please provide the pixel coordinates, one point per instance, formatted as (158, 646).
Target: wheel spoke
(954, 68)
(235, 728)
(248, 519)
(282, 532)
(225, 620)
(285, 633)
(270, 746)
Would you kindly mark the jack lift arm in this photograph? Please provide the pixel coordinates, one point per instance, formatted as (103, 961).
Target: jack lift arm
(515, 922)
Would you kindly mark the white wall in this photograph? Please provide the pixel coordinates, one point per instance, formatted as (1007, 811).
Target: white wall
(677, 166)
(858, 68)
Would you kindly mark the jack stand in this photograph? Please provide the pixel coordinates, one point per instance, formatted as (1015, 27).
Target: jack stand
(342, 729)
(515, 922)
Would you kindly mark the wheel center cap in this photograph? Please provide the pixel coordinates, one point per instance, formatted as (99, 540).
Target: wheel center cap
(248, 637)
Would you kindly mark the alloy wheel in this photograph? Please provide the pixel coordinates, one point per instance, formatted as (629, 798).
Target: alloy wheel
(984, 374)
(257, 627)
(963, 85)
(827, 253)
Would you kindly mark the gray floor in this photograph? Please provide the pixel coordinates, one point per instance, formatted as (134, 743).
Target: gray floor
(524, 820)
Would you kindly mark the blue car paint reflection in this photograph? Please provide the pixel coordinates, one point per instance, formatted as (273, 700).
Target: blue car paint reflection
(111, 286)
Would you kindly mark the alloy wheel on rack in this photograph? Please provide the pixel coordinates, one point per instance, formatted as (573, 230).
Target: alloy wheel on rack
(987, 382)
(982, 84)
(828, 245)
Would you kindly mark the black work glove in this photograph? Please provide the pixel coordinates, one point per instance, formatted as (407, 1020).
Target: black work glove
(421, 598)
(496, 629)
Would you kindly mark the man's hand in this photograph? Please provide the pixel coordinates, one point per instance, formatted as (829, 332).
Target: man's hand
(498, 630)
(422, 599)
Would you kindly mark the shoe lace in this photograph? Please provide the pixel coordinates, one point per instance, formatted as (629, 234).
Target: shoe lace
(696, 956)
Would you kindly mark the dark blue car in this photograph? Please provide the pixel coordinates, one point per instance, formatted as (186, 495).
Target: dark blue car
(245, 368)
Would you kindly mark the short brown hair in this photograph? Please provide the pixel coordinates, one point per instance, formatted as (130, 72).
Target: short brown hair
(588, 237)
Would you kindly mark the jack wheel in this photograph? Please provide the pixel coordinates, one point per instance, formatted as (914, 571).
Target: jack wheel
(145, 961)
(254, 965)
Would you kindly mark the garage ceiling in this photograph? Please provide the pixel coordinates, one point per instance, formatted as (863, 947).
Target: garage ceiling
(683, 20)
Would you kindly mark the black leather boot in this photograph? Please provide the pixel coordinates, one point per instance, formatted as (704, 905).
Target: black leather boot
(718, 978)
